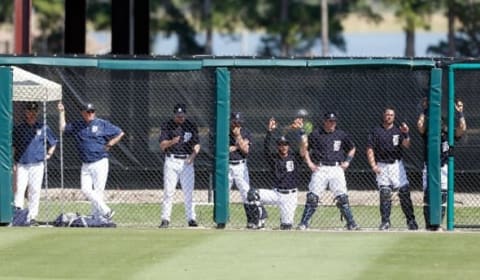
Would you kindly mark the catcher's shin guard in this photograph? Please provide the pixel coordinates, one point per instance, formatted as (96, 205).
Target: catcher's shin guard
(406, 203)
(344, 207)
(310, 207)
(385, 203)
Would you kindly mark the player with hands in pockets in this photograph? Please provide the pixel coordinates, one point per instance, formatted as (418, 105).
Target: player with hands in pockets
(94, 138)
(29, 153)
(284, 164)
(460, 128)
(328, 152)
(180, 142)
(385, 156)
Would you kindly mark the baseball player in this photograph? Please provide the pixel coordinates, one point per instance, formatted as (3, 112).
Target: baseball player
(461, 127)
(29, 155)
(240, 140)
(180, 143)
(328, 152)
(285, 178)
(385, 156)
(95, 137)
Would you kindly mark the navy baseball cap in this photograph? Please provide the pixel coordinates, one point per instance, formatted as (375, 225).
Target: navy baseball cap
(180, 109)
(31, 106)
(236, 117)
(89, 107)
(283, 141)
(330, 116)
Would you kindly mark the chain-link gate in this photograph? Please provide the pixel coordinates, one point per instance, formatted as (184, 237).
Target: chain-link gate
(140, 101)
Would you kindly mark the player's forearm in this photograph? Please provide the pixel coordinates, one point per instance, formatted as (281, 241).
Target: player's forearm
(243, 145)
(196, 150)
(421, 126)
(371, 158)
(461, 127)
(115, 140)
(61, 120)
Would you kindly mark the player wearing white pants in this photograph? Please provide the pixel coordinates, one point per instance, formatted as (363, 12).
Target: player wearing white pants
(93, 178)
(94, 138)
(238, 173)
(176, 169)
(180, 142)
(29, 154)
(384, 152)
(328, 153)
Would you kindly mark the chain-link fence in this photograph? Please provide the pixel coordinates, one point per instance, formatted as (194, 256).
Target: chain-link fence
(141, 101)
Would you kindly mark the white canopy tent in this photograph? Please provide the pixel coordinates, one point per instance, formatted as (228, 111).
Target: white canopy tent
(29, 87)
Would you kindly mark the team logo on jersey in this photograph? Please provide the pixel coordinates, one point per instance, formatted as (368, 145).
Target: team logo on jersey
(290, 165)
(336, 145)
(39, 132)
(94, 128)
(396, 139)
(187, 136)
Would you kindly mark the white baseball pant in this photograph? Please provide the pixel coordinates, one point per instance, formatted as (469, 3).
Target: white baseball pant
(93, 178)
(287, 202)
(31, 176)
(328, 176)
(392, 174)
(238, 173)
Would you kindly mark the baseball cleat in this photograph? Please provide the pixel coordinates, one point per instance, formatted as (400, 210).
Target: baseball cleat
(353, 227)
(412, 225)
(302, 227)
(109, 215)
(34, 223)
(285, 226)
(192, 223)
(384, 226)
(164, 224)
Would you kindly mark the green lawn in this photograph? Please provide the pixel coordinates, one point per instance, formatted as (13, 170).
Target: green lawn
(68, 253)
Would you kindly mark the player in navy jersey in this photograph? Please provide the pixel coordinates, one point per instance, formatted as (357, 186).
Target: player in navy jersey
(460, 128)
(385, 155)
(328, 152)
(30, 155)
(180, 143)
(94, 137)
(284, 164)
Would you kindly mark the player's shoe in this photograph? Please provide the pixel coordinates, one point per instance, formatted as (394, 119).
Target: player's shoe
(412, 225)
(285, 226)
(302, 227)
(109, 215)
(164, 224)
(34, 223)
(384, 226)
(352, 226)
(192, 223)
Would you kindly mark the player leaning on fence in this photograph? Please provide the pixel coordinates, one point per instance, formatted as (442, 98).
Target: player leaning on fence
(385, 157)
(240, 140)
(328, 152)
(29, 154)
(460, 128)
(180, 143)
(94, 137)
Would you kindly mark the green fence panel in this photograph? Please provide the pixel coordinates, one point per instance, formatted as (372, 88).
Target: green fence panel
(6, 78)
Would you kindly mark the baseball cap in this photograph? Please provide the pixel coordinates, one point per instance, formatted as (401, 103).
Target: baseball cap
(301, 113)
(236, 117)
(180, 109)
(88, 107)
(282, 140)
(330, 116)
(31, 106)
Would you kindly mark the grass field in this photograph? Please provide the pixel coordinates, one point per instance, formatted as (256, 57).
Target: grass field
(80, 253)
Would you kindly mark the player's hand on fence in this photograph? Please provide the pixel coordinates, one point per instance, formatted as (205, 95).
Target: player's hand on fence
(272, 124)
(404, 128)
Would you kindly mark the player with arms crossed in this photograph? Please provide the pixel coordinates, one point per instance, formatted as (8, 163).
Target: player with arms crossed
(385, 156)
(328, 152)
(460, 129)
(180, 143)
(95, 137)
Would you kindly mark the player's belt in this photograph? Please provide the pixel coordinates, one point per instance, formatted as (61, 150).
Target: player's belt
(235, 162)
(389, 161)
(177, 156)
(329, 163)
(286, 191)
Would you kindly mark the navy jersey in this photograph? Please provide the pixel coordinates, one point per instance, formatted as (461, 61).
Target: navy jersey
(238, 155)
(285, 169)
(28, 142)
(386, 143)
(92, 137)
(188, 133)
(328, 148)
